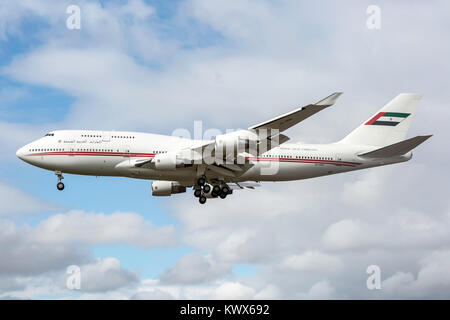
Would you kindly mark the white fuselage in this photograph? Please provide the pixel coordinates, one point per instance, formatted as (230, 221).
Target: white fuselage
(107, 153)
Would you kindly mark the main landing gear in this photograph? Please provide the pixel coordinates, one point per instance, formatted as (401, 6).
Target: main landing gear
(59, 185)
(203, 189)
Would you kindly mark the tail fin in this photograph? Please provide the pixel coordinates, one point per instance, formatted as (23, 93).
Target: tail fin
(389, 125)
(396, 149)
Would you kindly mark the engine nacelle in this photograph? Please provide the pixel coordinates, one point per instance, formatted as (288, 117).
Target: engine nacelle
(166, 188)
(167, 161)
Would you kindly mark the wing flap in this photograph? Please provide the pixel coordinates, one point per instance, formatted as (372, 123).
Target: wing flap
(242, 185)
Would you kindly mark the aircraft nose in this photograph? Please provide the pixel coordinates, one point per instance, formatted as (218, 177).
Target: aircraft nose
(21, 153)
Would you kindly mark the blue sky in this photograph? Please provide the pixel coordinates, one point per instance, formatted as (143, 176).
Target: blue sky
(157, 66)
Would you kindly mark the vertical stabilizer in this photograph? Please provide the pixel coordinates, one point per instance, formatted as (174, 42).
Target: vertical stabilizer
(389, 125)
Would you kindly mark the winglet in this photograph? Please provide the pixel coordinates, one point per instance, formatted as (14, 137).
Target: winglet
(330, 100)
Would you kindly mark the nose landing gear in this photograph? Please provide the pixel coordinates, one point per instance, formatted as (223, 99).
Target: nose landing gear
(59, 185)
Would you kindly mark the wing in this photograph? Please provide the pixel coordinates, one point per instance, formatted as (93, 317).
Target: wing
(269, 137)
(290, 119)
(264, 135)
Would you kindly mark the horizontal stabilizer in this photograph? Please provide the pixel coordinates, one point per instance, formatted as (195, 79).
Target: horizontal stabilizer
(396, 149)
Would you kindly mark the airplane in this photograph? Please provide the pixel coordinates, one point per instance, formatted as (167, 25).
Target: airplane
(236, 160)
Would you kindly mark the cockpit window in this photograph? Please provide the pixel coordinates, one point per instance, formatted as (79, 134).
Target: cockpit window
(49, 135)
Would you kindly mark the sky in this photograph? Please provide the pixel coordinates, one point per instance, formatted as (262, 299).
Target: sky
(158, 66)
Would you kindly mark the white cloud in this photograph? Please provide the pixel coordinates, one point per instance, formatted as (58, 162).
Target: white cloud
(155, 294)
(102, 278)
(346, 234)
(320, 290)
(61, 240)
(312, 261)
(8, 284)
(233, 290)
(367, 188)
(23, 134)
(97, 228)
(105, 274)
(397, 281)
(13, 13)
(14, 201)
(22, 254)
(432, 281)
(195, 268)
(270, 292)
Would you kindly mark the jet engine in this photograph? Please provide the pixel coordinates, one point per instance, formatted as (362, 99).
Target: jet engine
(167, 161)
(166, 188)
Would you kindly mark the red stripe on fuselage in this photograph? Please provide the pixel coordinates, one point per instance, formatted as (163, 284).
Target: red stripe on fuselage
(147, 155)
(343, 163)
(93, 153)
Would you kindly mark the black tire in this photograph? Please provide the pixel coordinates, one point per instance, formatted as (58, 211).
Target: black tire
(206, 188)
(226, 190)
(60, 186)
(202, 199)
(223, 195)
(197, 193)
(214, 194)
(216, 190)
(201, 181)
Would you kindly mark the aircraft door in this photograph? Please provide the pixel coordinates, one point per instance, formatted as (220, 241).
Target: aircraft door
(126, 151)
(106, 136)
(338, 157)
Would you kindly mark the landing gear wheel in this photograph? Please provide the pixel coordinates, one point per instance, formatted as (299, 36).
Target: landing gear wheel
(202, 199)
(197, 193)
(206, 188)
(216, 190)
(201, 181)
(59, 185)
(222, 195)
(225, 189)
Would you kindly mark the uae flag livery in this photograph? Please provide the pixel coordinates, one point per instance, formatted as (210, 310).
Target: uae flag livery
(388, 118)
